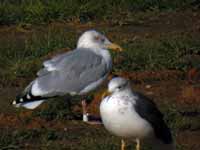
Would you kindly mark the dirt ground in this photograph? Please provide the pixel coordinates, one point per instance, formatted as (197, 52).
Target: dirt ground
(168, 88)
(166, 91)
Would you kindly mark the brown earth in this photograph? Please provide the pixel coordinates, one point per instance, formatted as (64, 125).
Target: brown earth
(167, 87)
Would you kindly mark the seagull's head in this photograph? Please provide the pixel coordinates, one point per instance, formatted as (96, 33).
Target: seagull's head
(118, 84)
(92, 39)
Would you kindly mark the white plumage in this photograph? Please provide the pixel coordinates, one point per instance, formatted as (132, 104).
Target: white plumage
(120, 117)
(128, 114)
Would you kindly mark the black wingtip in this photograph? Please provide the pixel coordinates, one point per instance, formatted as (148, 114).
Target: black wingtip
(16, 100)
(28, 97)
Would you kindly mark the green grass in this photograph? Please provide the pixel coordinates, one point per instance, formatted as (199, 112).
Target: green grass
(41, 11)
(77, 135)
(21, 57)
(166, 52)
(58, 139)
(22, 54)
(82, 138)
(59, 109)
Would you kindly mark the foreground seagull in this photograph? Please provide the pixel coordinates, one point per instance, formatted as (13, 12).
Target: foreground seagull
(128, 114)
(75, 72)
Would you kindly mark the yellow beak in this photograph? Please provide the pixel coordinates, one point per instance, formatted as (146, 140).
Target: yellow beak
(105, 94)
(114, 46)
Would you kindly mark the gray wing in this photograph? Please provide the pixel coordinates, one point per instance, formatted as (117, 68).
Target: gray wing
(147, 109)
(55, 63)
(69, 73)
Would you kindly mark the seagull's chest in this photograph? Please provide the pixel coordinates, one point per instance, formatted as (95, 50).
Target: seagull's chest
(120, 118)
(106, 57)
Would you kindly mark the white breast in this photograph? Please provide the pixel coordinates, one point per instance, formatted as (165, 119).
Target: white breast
(105, 54)
(120, 118)
(107, 57)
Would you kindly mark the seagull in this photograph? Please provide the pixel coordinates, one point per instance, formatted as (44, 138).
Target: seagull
(129, 114)
(76, 72)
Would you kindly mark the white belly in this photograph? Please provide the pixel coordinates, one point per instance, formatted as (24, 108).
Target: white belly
(120, 118)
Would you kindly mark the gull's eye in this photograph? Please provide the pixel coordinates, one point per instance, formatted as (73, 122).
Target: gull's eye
(97, 38)
(119, 87)
(102, 40)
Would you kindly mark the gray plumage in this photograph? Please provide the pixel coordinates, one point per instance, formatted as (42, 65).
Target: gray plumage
(71, 72)
(75, 72)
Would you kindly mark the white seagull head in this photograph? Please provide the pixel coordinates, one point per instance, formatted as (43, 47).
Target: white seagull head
(92, 39)
(118, 84)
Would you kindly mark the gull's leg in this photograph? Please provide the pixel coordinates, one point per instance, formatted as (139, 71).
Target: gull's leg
(137, 144)
(84, 108)
(123, 144)
(87, 118)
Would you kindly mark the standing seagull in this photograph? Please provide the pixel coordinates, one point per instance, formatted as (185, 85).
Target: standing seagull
(128, 114)
(75, 72)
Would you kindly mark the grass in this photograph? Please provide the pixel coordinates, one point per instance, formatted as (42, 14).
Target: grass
(41, 11)
(23, 51)
(23, 56)
(158, 54)
(77, 135)
(58, 139)
(60, 109)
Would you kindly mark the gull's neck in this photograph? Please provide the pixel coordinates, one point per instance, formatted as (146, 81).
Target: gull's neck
(123, 92)
(103, 53)
(106, 56)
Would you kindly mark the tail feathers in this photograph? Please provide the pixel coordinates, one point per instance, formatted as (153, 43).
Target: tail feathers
(27, 100)
(30, 105)
(164, 139)
(164, 133)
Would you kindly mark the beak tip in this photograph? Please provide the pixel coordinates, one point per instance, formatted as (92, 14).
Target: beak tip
(116, 47)
(105, 94)
(120, 49)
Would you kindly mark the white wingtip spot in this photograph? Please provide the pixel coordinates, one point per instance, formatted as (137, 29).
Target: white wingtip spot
(14, 102)
(21, 100)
